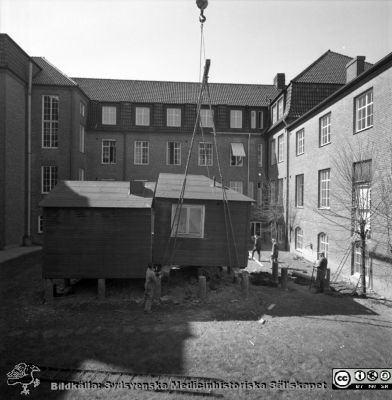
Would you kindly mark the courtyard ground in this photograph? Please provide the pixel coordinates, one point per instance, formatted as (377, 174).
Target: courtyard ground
(273, 335)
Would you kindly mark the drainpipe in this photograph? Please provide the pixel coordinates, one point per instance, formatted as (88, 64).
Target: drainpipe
(287, 184)
(27, 237)
(248, 163)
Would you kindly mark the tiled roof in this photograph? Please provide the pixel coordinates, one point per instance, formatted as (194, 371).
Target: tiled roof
(198, 187)
(97, 194)
(329, 68)
(50, 75)
(134, 91)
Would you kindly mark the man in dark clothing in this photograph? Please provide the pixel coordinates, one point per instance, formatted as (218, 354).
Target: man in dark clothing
(256, 245)
(149, 286)
(321, 271)
(274, 251)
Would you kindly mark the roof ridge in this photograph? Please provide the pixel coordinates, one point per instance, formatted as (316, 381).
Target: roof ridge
(181, 82)
(58, 70)
(316, 61)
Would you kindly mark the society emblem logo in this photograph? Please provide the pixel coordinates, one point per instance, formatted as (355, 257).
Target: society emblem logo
(23, 374)
(341, 378)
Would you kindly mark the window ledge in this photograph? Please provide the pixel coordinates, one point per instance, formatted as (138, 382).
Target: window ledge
(364, 129)
(324, 208)
(300, 154)
(325, 144)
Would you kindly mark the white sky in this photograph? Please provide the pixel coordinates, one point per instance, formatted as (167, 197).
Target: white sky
(247, 41)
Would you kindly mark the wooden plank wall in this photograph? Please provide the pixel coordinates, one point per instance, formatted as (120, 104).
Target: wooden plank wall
(96, 242)
(212, 250)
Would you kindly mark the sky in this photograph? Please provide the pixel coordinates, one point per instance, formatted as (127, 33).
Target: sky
(248, 41)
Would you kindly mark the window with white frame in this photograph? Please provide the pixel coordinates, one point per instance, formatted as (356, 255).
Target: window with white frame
(82, 109)
(273, 152)
(260, 119)
(237, 154)
(48, 178)
(364, 111)
(108, 151)
(362, 195)
(173, 117)
(277, 110)
(109, 115)
(173, 155)
(274, 113)
(81, 174)
(205, 154)
(236, 119)
(324, 188)
(50, 121)
(187, 221)
(299, 190)
(237, 186)
(357, 261)
(81, 138)
(40, 224)
(251, 191)
(256, 119)
(141, 156)
(280, 108)
(322, 245)
(280, 148)
(142, 116)
(325, 129)
(206, 118)
(260, 155)
(300, 142)
(299, 239)
(253, 115)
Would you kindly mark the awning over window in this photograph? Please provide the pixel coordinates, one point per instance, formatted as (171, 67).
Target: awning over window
(238, 149)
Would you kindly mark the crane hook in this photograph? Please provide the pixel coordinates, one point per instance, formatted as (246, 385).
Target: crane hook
(202, 17)
(202, 4)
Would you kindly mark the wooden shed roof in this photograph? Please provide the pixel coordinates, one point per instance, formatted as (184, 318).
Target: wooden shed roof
(198, 187)
(98, 194)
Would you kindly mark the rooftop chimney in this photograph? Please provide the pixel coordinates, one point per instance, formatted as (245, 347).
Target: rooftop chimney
(354, 68)
(280, 81)
(136, 188)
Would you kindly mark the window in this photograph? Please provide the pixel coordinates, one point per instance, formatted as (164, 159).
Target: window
(256, 119)
(273, 152)
(251, 191)
(255, 228)
(142, 116)
(277, 110)
(81, 174)
(325, 129)
(40, 224)
(141, 156)
(280, 192)
(322, 244)
(237, 186)
(300, 142)
(299, 190)
(260, 155)
(206, 118)
(82, 109)
(280, 148)
(253, 119)
(205, 154)
(173, 155)
(237, 154)
(187, 221)
(50, 122)
(324, 186)
(280, 108)
(357, 267)
(259, 194)
(260, 119)
(274, 113)
(277, 232)
(173, 117)
(364, 111)
(298, 239)
(48, 178)
(109, 115)
(81, 138)
(108, 151)
(236, 119)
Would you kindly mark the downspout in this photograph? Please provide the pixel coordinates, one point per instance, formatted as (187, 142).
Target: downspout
(249, 163)
(287, 186)
(27, 237)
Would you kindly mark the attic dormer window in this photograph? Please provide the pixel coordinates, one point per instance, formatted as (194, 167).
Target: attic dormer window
(277, 110)
(109, 115)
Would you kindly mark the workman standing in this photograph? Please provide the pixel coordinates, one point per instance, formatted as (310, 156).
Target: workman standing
(256, 245)
(321, 271)
(149, 288)
(274, 251)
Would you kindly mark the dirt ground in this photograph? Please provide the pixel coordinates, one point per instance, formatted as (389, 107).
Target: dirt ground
(271, 336)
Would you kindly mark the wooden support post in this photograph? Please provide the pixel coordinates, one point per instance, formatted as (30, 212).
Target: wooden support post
(202, 287)
(327, 280)
(158, 289)
(49, 290)
(245, 284)
(284, 278)
(275, 272)
(101, 288)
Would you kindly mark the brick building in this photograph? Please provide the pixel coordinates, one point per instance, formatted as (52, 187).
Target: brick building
(268, 140)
